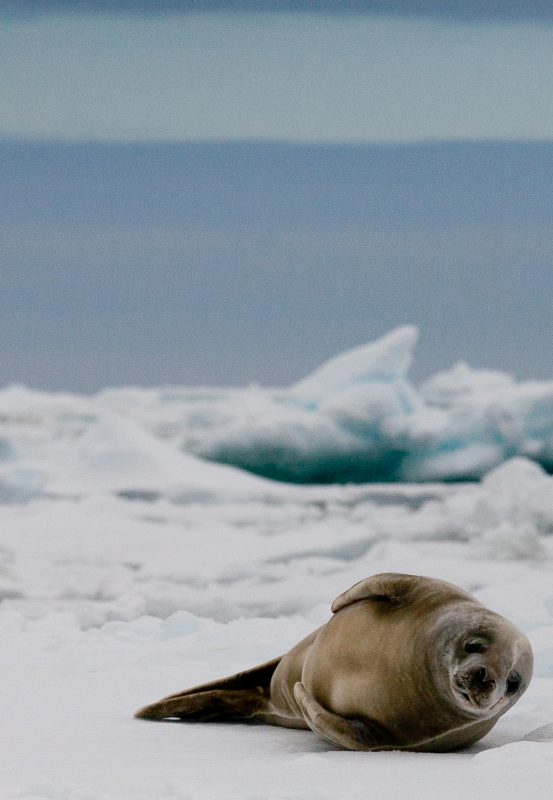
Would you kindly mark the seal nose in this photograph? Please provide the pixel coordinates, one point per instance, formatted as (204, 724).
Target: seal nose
(481, 681)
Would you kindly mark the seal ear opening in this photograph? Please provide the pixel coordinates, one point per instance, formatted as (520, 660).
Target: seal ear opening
(391, 587)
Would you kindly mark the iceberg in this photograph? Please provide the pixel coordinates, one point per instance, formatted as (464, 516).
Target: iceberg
(358, 418)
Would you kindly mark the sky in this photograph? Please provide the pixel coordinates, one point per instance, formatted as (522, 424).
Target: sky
(473, 10)
(197, 195)
(299, 77)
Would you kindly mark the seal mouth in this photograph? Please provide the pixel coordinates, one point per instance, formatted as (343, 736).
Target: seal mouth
(476, 698)
(466, 698)
(478, 703)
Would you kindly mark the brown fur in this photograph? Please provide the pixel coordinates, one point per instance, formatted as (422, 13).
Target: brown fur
(389, 670)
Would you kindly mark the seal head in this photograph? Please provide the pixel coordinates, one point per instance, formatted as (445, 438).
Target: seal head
(486, 661)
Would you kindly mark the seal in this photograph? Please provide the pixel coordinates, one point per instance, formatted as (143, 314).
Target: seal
(405, 663)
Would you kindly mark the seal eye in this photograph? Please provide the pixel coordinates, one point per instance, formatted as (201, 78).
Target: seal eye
(475, 647)
(513, 682)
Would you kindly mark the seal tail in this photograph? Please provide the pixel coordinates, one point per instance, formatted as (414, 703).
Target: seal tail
(239, 696)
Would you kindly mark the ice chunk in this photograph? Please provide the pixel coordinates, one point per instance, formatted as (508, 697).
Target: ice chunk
(67, 446)
(383, 361)
(358, 418)
(510, 514)
(462, 381)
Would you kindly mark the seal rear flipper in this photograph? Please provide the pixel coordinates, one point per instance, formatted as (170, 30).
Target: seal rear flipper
(239, 696)
(351, 734)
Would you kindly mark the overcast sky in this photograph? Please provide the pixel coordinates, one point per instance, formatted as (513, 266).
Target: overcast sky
(166, 263)
(303, 77)
(473, 10)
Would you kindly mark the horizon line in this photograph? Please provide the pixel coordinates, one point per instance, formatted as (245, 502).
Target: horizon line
(458, 15)
(262, 140)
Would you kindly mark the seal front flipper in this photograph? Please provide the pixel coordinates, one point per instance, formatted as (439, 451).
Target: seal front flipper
(239, 696)
(394, 588)
(351, 734)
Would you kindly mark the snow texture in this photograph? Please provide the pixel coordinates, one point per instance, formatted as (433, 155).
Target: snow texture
(357, 418)
(129, 569)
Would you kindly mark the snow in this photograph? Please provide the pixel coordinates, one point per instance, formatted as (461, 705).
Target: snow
(357, 418)
(130, 569)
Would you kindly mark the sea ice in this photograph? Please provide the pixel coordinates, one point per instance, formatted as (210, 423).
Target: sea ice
(358, 418)
(130, 569)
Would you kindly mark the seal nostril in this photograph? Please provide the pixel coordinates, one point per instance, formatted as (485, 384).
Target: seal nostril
(479, 675)
(513, 682)
(481, 681)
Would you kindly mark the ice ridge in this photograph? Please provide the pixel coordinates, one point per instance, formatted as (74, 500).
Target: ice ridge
(358, 418)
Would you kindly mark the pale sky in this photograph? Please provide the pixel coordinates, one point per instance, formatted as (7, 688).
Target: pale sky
(299, 77)
(133, 251)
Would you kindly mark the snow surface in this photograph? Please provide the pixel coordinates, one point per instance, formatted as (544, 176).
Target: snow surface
(358, 418)
(129, 569)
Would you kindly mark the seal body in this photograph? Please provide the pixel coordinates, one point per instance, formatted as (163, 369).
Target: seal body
(405, 662)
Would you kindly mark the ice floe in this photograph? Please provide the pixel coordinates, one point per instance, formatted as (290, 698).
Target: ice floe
(358, 418)
(131, 568)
